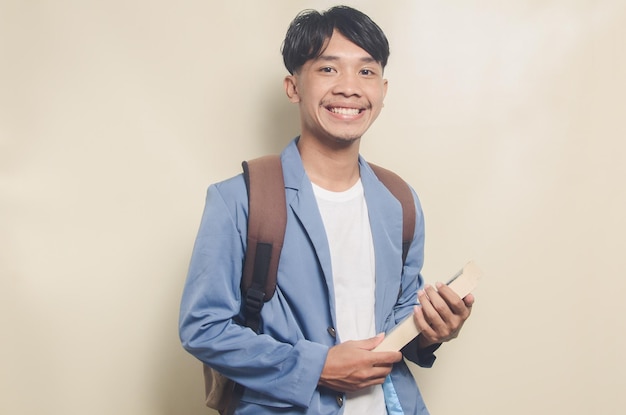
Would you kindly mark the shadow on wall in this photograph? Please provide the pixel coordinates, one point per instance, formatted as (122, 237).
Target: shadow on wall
(178, 385)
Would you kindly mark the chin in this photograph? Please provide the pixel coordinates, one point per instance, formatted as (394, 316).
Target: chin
(346, 136)
(346, 140)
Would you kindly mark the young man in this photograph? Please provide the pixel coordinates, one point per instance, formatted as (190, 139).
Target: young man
(340, 269)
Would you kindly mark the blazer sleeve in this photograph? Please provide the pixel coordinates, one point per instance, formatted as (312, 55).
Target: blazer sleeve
(211, 302)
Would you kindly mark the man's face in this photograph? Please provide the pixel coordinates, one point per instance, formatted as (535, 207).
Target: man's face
(340, 93)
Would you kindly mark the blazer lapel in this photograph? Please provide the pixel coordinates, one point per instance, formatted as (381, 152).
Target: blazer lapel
(301, 200)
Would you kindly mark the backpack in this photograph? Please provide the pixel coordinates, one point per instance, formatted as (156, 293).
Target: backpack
(267, 221)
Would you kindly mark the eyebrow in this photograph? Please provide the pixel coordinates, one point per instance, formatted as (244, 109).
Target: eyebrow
(333, 58)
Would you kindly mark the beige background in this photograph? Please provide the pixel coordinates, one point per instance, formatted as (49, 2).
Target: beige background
(506, 116)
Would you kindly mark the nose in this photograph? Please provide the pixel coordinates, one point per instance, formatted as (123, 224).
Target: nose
(348, 84)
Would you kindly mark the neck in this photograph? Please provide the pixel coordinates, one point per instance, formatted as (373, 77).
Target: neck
(334, 166)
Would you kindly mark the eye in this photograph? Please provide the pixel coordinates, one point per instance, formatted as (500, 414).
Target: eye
(366, 72)
(327, 69)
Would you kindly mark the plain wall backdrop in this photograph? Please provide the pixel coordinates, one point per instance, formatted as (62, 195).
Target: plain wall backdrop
(506, 116)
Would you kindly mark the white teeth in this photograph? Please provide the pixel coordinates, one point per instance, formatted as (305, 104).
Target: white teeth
(345, 111)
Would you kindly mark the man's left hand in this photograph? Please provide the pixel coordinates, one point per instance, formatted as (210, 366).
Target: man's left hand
(441, 314)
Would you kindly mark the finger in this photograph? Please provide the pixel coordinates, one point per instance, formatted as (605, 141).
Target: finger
(385, 358)
(379, 373)
(419, 319)
(371, 343)
(441, 312)
(422, 324)
(453, 302)
(426, 307)
(442, 322)
(378, 379)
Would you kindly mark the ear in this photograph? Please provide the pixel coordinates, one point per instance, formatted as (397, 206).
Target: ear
(385, 85)
(291, 88)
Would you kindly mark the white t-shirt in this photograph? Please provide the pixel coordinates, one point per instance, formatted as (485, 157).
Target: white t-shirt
(347, 226)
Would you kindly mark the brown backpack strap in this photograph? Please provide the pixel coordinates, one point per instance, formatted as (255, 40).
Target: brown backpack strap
(401, 191)
(267, 220)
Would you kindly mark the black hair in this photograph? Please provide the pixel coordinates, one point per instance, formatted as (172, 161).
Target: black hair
(308, 33)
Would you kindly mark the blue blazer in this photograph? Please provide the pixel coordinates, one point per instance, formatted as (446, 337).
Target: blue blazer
(281, 367)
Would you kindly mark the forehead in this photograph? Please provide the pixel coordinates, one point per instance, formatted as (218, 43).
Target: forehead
(340, 47)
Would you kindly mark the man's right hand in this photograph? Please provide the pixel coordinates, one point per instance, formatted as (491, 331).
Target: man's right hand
(353, 365)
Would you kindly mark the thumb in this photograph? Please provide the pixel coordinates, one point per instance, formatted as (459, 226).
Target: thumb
(372, 342)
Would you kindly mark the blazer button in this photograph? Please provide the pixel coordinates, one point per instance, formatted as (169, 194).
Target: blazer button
(332, 332)
(339, 399)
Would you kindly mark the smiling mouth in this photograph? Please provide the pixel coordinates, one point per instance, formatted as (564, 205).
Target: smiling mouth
(344, 111)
